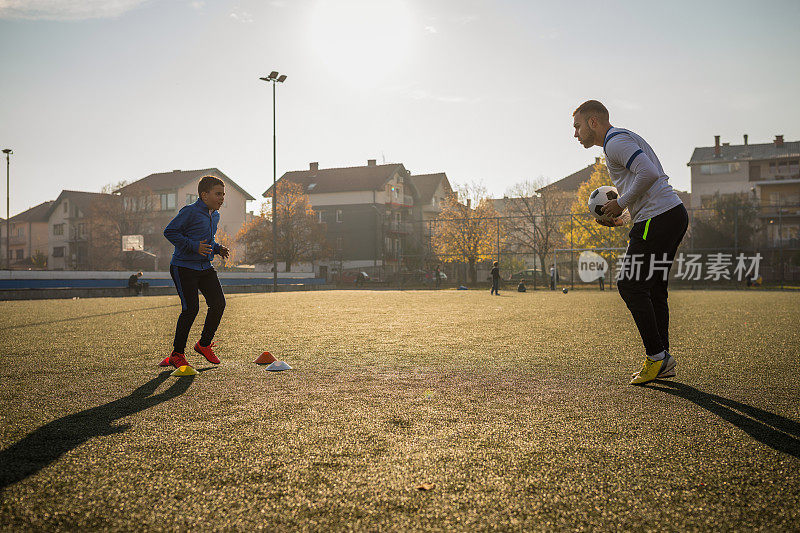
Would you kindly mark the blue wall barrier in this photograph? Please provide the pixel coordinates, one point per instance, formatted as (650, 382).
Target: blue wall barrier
(85, 283)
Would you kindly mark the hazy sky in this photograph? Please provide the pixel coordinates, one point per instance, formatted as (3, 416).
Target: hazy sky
(97, 91)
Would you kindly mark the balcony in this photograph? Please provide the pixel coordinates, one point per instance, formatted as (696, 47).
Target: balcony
(403, 201)
(398, 227)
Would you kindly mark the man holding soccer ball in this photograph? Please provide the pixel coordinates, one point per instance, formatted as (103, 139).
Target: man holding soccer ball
(659, 224)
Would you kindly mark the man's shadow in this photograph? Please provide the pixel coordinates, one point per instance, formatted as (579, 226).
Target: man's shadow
(46, 444)
(777, 432)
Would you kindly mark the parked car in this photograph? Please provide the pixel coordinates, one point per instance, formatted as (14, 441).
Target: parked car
(351, 276)
(525, 274)
(431, 276)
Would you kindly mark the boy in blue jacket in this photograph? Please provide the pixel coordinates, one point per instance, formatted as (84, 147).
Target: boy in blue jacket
(192, 232)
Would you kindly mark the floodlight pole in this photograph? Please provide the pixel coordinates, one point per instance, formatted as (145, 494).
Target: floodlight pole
(274, 197)
(8, 152)
(274, 78)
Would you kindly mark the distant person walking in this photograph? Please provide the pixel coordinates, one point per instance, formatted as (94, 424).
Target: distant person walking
(553, 277)
(659, 224)
(495, 279)
(438, 275)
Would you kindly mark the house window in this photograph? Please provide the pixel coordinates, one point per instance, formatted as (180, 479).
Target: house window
(82, 229)
(319, 217)
(66, 207)
(21, 231)
(58, 229)
(719, 168)
(19, 253)
(58, 251)
(191, 198)
(338, 215)
(167, 201)
(339, 243)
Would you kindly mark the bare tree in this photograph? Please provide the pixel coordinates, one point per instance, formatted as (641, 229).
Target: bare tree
(536, 218)
(110, 217)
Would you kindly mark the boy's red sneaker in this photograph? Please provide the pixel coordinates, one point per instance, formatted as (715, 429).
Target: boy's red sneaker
(207, 352)
(175, 359)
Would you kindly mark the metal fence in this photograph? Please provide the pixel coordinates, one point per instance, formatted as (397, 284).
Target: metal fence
(743, 246)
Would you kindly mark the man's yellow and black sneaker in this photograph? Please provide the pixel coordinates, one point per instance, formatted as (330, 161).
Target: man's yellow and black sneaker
(661, 369)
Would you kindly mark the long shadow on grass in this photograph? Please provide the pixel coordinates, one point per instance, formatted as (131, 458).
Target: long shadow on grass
(46, 444)
(777, 432)
(110, 313)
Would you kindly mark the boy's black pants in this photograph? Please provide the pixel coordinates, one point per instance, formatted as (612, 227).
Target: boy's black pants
(643, 279)
(188, 281)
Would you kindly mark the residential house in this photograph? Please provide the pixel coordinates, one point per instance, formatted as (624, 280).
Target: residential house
(158, 197)
(367, 211)
(766, 173)
(29, 236)
(69, 230)
(432, 190)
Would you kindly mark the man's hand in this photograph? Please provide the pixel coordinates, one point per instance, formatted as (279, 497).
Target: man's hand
(223, 252)
(612, 208)
(203, 248)
(610, 222)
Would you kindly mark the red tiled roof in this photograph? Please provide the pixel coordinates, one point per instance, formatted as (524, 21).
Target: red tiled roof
(177, 178)
(348, 179)
(571, 182)
(426, 185)
(39, 213)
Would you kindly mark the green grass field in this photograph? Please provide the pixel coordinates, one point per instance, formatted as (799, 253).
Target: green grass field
(517, 408)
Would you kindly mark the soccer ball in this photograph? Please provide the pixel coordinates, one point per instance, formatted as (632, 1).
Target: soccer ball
(565, 290)
(599, 197)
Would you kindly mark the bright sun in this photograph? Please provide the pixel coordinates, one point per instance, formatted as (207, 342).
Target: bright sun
(362, 41)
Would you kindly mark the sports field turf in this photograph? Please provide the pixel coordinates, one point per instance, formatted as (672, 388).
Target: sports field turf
(516, 408)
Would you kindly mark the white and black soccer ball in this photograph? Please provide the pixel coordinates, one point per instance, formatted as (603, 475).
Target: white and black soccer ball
(600, 197)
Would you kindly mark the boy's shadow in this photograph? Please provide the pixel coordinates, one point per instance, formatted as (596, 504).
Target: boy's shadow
(777, 432)
(46, 444)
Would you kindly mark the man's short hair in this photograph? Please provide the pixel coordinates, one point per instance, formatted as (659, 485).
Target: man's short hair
(207, 183)
(592, 108)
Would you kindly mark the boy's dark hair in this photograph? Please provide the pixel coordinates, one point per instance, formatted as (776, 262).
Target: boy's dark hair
(207, 183)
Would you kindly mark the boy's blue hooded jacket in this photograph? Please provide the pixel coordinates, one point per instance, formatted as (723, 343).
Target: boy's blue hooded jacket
(191, 225)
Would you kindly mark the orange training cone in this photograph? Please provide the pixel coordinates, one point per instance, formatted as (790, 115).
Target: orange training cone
(265, 359)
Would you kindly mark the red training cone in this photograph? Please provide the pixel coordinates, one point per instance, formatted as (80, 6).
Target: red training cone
(265, 359)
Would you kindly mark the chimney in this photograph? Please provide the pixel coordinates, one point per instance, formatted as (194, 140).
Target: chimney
(779, 141)
(469, 203)
(716, 146)
(370, 162)
(745, 139)
(313, 166)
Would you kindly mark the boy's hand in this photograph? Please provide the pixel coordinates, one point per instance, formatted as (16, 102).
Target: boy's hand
(610, 222)
(223, 252)
(203, 248)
